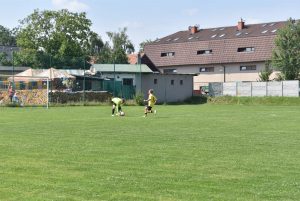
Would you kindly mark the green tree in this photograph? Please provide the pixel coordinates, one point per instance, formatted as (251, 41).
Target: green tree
(264, 75)
(142, 45)
(55, 38)
(7, 37)
(286, 55)
(119, 48)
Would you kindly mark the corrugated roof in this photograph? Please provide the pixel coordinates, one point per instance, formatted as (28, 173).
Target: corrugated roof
(122, 68)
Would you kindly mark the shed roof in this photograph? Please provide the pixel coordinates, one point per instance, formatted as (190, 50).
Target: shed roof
(121, 68)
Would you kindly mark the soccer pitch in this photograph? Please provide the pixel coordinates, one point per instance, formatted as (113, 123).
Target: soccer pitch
(187, 152)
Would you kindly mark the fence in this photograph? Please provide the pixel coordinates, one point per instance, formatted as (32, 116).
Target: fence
(284, 88)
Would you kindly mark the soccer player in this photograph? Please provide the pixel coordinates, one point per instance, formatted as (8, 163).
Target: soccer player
(151, 101)
(117, 102)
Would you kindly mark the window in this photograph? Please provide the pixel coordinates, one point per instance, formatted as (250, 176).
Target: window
(169, 39)
(207, 69)
(170, 71)
(221, 29)
(205, 52)
(246, 68)
(155, 81)
(172, 82)
(190, 38)
(265, 31)
(167, 54)
(181, 82)
(222, 35)
(272, 24)
(246, 49)
(176, 39)
(213, 36)
(128, 81)
(274, 30)
(239, 33)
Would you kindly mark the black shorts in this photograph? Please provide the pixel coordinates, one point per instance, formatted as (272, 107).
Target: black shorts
(149, 108)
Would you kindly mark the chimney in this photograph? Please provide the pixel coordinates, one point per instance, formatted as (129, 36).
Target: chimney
(193, 29)
(241, 24)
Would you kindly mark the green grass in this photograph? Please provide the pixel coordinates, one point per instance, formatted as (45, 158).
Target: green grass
(195, 152)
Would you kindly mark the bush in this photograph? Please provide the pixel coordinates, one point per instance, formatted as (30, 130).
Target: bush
(139, 98)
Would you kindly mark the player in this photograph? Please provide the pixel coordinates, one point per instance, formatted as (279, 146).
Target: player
(117, 102)
(151, 101)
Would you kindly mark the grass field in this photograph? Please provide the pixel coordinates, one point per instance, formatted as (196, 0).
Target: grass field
(190, 152)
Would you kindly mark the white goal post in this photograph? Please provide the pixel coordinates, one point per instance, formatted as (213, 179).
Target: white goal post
(24, 90)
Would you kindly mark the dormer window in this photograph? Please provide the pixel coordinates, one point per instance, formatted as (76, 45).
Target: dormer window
(204, 52)
(246, 49)
(167, 54)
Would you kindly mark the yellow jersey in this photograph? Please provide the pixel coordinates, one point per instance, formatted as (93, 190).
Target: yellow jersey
(151, 100)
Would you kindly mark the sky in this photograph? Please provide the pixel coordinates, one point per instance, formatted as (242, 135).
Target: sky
(151, 19)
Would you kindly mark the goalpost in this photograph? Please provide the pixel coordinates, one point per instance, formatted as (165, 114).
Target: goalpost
(24, 90)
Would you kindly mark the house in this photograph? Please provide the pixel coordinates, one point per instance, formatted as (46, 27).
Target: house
(127, 80)
(223, 54)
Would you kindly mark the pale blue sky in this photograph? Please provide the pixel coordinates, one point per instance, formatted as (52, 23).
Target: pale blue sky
(151, 19)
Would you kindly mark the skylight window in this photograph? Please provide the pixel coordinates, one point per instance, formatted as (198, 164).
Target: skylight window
(214, 30)
(204, 52)
(264, 25)
(274, 30)
(265, 31)
(168, 40)
(167, 54)
(246, 49)
(221, 29)
(246, 33)
(222, 35)
(190, 38)
(272, 24)
(213, 36)
(176, 39)
(237, 34)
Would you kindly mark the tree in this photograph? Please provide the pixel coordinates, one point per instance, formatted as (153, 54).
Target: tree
(7, 37)
(286, 55)
(264, 75)
(142, 45)
(119, 48)
(56, 38)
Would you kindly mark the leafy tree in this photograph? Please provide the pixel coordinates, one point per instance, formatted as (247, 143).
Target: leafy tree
(264, 75)
(119, 48)
(3, 59)
(7, 37)
(56, 38)
(286, 55)
(142, 45)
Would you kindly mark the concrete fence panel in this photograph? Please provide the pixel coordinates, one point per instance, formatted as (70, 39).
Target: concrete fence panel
(259, 89)
(274, 89)
(290, 88)
(244, 89)
(230, 89)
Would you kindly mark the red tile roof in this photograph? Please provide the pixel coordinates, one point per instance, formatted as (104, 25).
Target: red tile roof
(223, 41)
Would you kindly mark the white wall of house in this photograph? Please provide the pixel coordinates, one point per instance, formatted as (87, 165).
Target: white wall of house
(232, 73)
(165, 91)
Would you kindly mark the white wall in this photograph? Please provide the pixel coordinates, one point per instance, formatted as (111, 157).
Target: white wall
(232, 73)
(164, 91)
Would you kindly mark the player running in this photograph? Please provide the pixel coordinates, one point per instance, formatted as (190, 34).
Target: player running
(151, 102)
(117, 102)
